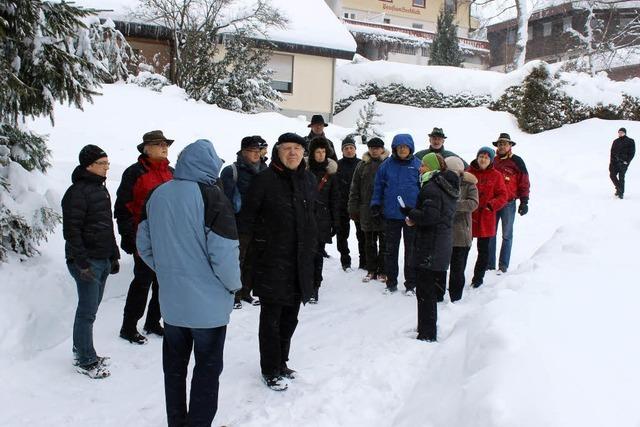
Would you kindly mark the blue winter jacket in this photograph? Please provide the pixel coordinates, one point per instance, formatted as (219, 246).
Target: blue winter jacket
(197, 268)
(395, 178)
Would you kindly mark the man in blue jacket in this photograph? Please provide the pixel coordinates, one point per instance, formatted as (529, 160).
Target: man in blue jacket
(397, 176)
(189, 238)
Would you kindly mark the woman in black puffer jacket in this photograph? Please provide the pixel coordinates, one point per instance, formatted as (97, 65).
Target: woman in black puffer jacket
(327, 208)
(433, 217)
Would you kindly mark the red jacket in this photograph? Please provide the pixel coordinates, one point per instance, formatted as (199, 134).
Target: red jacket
(492, 197)
(137, 182)
(516, 177)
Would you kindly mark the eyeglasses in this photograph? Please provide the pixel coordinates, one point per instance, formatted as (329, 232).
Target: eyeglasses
(159, 144)
(102, 163)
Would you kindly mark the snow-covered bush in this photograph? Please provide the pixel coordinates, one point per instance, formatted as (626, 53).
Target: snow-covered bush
(149, 80)
(368, 121)
(109, 48)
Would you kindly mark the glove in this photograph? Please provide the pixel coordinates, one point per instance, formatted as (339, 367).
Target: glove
(115, 267)
(523, 208)
(355, 216)
(128, 244)
(405, 210)
(86, 274)
(376, 211)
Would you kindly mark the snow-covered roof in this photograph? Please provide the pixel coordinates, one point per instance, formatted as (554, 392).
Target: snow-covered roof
(310, 22)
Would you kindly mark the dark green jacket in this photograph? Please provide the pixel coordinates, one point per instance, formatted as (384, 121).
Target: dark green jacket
(362, 190)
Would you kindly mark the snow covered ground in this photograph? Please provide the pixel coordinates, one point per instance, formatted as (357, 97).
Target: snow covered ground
(551, 343)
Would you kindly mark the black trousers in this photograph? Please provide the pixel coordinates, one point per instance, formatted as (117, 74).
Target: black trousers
(374, 249)
(318, 264)
(277, 325)
(427, 306)
(208, 346)
(342, 239)
(246, 269)
(393, 230)
(617, 171)
(482, 261)
(143, 279)
(459, 257)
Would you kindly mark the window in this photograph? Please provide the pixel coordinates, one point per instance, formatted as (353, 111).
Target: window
(530, 33)
(511, 36)
(282, 78)
(404, 50)
(386, 20)
(346, 15)
(353, 16)
(419, 3)
(417, 26)
(451, 5)
(424, 51)
(566, 24)
(546, 29)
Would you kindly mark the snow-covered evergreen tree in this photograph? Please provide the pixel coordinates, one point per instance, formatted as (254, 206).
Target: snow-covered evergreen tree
(366, 124)
(110, 49)
(445, 49)
(45, 57)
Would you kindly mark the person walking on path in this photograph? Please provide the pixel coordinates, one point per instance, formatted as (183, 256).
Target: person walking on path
(462, 235)
(397, 176)
(188, 237)
(432, 217)
(346, 168)
(90, 250)
(359, 207)
(278, 211)
(236, 179)
(492, 196)
(138, 180)
(622, 151)
(516, 180)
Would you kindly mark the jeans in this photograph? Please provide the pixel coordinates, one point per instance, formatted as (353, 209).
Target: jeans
(481, 262)
(427, 306)
(342, 241)
(208, 346)
(459, 257)
(89, 296)
(143, 278)
(393, 229)
(507, 216)
(374, 249)
(277, 325)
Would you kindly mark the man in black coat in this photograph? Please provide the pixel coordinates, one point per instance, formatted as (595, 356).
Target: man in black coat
(278, 215)
(91, 251)
(316, 128)
(236, 179)
(346, 167)
(622, 151)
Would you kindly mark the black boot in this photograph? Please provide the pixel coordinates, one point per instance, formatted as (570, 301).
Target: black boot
(154, 329)
(133, 336)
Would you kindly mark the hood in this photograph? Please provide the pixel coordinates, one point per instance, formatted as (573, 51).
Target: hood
(469, 177)
(331, 168)
(403, 138)
(82, 174)
(198, 162)
(449, 182)
(366, 157)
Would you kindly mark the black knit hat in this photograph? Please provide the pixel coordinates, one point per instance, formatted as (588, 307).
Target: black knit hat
(622, 130)
(261, 142)
(89, 154)
(291, 137)
(375, 142)
(318, 142)
(348, 140)
(317, 119)
(249, 142)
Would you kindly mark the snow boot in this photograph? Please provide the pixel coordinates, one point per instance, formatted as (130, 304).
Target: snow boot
(382, 278)
(275, 382)
(95, 370)
(104, 360)
(410, 292)
(237, 305)
(154, 329)
(287, 372)
(390, 290)
(133, 336)
(369, 277)
(255, 302)
(314, 297)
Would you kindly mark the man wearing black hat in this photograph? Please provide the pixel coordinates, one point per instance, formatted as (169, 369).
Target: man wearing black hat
(346, 167)
(436, 145)
(235, 182)
(516, 179)
(317, 126)
(622, 151)
(278, 215)
(91, 251)
(138, 180)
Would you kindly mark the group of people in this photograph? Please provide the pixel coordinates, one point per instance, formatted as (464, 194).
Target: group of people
(205, 239)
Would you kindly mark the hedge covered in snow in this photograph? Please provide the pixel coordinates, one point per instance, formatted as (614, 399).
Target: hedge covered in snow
(540, 96)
